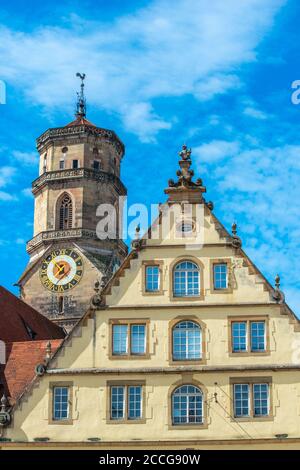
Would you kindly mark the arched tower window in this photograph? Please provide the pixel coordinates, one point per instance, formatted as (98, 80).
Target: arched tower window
(65, 213)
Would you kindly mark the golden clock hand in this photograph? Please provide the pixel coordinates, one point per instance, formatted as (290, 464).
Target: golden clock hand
(67, 272)
(60, 268)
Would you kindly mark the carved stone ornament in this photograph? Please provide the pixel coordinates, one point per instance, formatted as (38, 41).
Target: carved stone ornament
(185, 174)
(40, 369)
(98, 299)
(235, 240)
(277, 294)
(5, 417)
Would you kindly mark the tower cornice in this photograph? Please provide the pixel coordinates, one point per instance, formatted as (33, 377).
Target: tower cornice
(62, 176)
(80, 131)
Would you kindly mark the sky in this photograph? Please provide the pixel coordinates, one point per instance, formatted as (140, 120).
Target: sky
(216, 75)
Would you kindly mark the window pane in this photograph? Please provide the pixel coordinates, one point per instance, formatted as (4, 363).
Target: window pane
(241, 400)
(135, 402)
(138, 339)
(186, 280)
(60, 403)
(239, 336)
(152, 278)
(258, 342)
(261, 399)
(75, 164)
(61, 164)
(117, 402)
(220, 276)
(186, 341)
(120, 339)
(187, 405)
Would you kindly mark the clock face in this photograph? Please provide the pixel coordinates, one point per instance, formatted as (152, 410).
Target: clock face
(61, 270)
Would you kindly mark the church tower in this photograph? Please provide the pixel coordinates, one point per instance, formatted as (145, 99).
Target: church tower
(79, 170)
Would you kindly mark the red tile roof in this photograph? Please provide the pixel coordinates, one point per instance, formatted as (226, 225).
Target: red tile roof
(81, 121)
(20, 322)
(21, 359)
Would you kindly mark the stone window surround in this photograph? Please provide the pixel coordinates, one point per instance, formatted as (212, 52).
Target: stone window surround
(68, 421)
(187, 380)
(126, 384)
(200, 265)
(226, 261)
(202, 325)
(251, 381)
(248, 319)
(129, 322)
(145, 264)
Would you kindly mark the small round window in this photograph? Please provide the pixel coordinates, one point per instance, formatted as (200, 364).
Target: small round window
(186, 227)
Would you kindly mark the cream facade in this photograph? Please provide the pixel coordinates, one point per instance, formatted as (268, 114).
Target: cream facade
(229, 379)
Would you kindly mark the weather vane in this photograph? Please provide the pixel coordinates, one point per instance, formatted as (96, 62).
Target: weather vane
(81, 102)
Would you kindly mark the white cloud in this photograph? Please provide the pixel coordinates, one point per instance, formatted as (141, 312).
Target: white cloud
(255, 113)
(159, 51)
(4, 196)
(27, 192)
(6, 174)
(26, 158)
(215, 150)
(20, 241)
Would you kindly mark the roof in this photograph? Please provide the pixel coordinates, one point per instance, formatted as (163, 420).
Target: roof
(81, 121)
(20, 322)
(21, 360)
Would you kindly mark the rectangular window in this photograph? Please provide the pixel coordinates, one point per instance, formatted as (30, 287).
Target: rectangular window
(152, 278)
(60, 403)
(241, 400)
(239, 336)
(251, 400)
(261, 399)
(61, 164)
(120, 339)
(258, 340)
(129, 339)
(138, 339)
(117, 402)
(249, 336)
(126, 402)
(135, 402)
(96, 165)
(75, 164)
(220, 276)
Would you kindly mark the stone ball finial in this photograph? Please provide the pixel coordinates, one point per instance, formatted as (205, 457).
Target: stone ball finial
(3, 403)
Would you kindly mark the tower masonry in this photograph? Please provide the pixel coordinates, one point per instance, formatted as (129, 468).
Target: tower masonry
(79, 170)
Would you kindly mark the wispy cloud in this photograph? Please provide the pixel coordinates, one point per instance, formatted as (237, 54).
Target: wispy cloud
(158, 51)
(25, 158)
(6, 197)
(6, 175)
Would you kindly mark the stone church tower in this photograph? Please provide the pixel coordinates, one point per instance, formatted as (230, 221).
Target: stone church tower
(79, 170)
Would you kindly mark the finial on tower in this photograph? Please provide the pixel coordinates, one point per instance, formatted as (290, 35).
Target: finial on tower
(81, 101)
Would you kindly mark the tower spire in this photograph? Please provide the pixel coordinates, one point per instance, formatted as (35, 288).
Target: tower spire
(81, 101)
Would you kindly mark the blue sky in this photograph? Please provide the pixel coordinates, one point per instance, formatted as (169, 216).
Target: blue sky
(216, 75)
